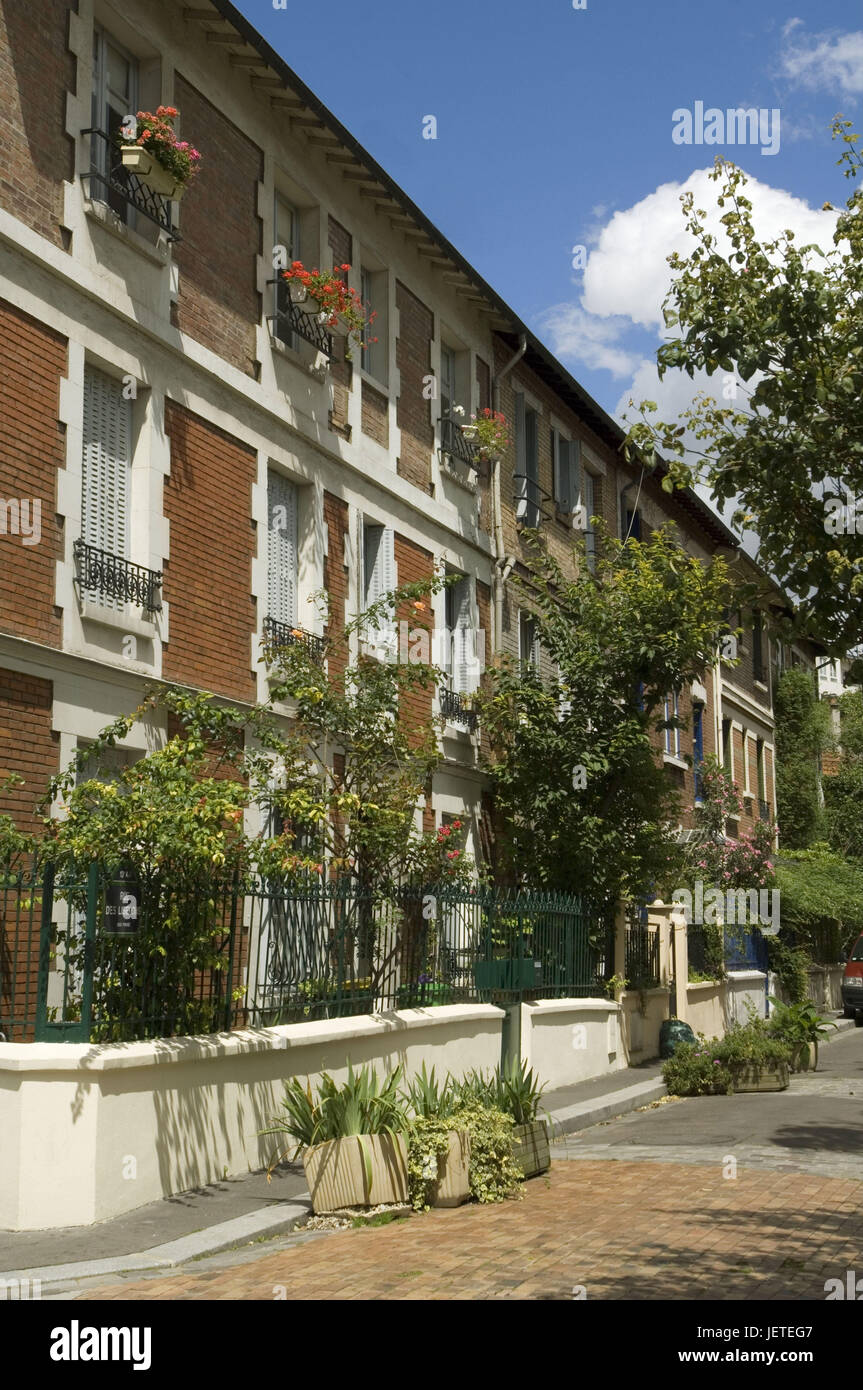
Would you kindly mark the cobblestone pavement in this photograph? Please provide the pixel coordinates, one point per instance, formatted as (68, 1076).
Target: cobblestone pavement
(617, 1230)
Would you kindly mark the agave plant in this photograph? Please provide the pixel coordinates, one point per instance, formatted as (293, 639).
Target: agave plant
(518, 1091)
(360, 1105)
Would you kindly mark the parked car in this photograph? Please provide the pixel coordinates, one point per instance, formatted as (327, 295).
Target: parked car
(852, 983)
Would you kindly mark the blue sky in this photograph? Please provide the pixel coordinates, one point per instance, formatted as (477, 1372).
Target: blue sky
(555, 130)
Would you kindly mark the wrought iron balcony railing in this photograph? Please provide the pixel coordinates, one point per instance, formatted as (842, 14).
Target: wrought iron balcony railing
(109, 181)
(291, 318)
(453, 442)
(112, 577)
(454, 705)
(278, 634)
(528, 500)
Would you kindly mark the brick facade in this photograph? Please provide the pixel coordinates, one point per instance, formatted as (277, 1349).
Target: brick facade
(32, 361)
(413, 416)
(207, 580)
(218, 302)
(36, 72)
(27, 745)
(335, 574)
(375, 415)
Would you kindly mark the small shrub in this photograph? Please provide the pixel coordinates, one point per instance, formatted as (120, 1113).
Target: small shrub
(706, 1068)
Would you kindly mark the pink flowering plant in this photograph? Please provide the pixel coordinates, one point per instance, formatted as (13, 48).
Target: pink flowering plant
(156, 135)
(490, 434)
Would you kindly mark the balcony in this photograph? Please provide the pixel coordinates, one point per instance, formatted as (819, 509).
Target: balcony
(453, 442)
(109, 181)
(291, 318)
(455, 707)
(279, 635)
(111, 577)
(528, 501)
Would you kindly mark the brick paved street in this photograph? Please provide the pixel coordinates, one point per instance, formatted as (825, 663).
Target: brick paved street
(629, 1230)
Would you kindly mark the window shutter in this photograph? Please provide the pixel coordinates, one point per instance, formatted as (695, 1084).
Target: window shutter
(574, 473)
(106, 464)
(463, 655)
(520, 458)
(283, 566)
(565, 496)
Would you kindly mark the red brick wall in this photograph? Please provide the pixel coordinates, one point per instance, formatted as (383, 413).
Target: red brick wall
(335, 574)
(413, 415)
(339, 241)
(483, 377)
(32, 361)
(27, 745)
(208, 579)
(375, 415)
(36, 72)
(413, 564)
(218, 302)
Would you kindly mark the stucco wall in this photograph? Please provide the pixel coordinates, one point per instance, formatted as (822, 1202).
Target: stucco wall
(108, 1128)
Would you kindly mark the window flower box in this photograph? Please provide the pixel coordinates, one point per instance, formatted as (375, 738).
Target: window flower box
(150, 149)
(328, 297)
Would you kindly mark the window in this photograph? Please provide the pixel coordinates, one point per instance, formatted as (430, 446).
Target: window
(460, 661)
(286, 226)
(588, 502)
(698, 747)
(566, 464)
(528, 495)
(375, 353)
(528, 641)
(379, 578)
(758, 672)
(672, 735)
(747, 783)
(282, 549)
(447, 381)
(115, 96)
(728, 747)
(106, 472)
(761, 772)
(631, 524)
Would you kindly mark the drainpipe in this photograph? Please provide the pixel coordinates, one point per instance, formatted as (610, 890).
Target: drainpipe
(500, 561)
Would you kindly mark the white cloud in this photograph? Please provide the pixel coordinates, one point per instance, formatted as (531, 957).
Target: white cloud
(588, 339)
(627, 273)
(829, 60)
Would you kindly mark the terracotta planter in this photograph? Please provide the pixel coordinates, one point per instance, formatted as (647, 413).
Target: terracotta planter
(453, 1181)
(530, 1148)
(361, 1171)
(138, 161)
(772, 1076)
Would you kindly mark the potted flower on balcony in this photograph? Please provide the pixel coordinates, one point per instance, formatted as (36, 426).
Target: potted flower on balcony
(150, 150)
(325, 294)
(352, 1138)
(489, 434)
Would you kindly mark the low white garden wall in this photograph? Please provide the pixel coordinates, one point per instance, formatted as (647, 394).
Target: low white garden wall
(90, 1131)
(568, 1040)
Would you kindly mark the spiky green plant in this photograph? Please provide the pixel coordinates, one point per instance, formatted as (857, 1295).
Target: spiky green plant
(361, 1105)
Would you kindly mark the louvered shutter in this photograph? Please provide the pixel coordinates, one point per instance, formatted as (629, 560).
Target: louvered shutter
(574, 473)
(563, 486)
(520, 458)
(106, 466)
(463, 654)
(283, 567)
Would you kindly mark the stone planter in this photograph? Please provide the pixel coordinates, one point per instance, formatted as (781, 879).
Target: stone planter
(139, 162)
(530, 1148)
(772, 1076)
(361, 1171)
(298, 292)
(452, 1186)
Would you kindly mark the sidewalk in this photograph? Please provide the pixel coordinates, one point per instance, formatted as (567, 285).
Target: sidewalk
(244, 1210)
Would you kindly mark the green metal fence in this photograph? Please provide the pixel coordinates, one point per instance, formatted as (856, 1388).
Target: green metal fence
(214, 956)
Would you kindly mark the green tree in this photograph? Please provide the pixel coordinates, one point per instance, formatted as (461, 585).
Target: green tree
(788, 320)
(843, 792)
(801, 736)
(580, 799)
